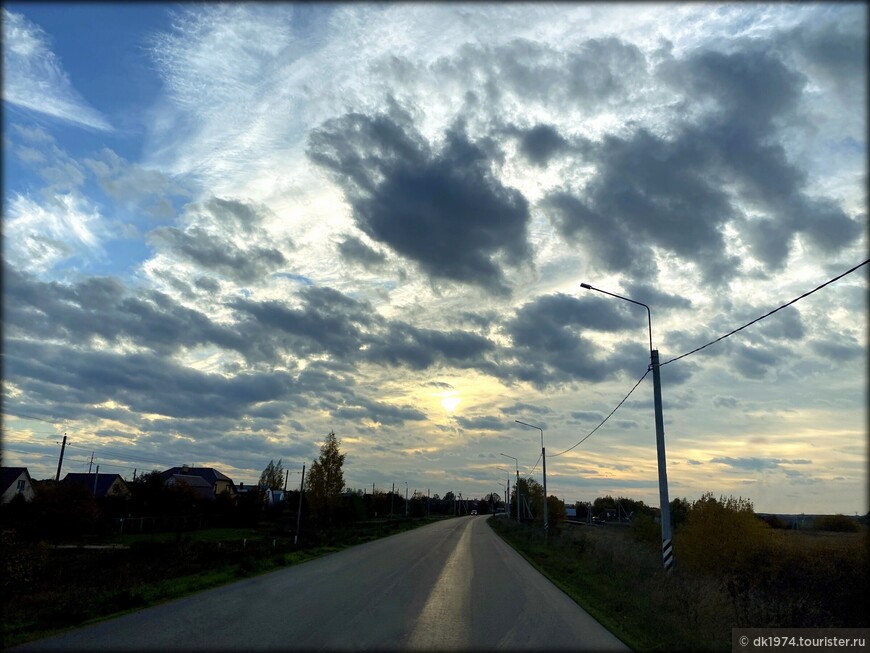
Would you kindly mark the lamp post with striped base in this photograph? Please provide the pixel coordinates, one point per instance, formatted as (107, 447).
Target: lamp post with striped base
(667, 546)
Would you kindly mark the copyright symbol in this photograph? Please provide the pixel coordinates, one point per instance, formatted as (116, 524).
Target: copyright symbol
(744, 640)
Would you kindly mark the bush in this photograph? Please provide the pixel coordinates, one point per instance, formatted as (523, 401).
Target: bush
(719, 535)
(837, 523)
(645, 529)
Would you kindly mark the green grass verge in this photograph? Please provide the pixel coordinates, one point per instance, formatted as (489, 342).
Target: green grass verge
(614, 598)
(60, 608)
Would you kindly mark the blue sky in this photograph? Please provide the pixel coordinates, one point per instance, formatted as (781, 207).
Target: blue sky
(232, 228)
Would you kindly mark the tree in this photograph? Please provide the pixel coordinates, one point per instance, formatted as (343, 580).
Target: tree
(533, 494)
(325, 481)
(273, 476)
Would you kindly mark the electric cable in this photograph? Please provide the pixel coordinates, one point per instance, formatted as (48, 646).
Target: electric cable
(606, 418)
(758, 319)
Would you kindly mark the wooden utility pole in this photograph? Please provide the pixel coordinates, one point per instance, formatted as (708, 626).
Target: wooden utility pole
(299, 508)
(60, 462)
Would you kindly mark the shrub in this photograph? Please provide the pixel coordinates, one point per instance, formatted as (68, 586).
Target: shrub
(837, 523)
(719, 535)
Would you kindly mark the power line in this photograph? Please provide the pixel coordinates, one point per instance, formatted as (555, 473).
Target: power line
(22, 415)
(111, 454)
(536, 464)
(758, 319)
(606, 418)
(731, 333)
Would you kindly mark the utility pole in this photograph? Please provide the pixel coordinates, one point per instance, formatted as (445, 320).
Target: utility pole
(96, 476)
(392, 495)
(664, 504)
(91, 463)
(286, 479)
(60, 462)
(664, 507)
(299, 507)
(406, 499)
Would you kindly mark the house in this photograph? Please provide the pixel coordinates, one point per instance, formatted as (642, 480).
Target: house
(200, 487)
(15, 481)
(101, 485)
(218, 482)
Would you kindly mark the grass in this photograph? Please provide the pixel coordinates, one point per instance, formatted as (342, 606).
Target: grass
(48, 590)
(594, 567)
(786, 579)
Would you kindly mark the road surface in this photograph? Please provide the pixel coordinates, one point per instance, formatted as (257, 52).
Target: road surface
(452, 585)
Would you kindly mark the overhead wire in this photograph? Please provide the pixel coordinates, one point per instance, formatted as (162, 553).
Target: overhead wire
(608, 416)
(712, 342)
(758, 319)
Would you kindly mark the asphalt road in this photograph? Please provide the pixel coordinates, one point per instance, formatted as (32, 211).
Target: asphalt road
(452, 585)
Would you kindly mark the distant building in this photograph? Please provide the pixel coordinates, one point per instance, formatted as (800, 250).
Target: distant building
(200, 487)
(15, 481)
(218, 482)
(100, 485)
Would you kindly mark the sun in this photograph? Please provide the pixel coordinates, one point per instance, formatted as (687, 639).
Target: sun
(450, 403)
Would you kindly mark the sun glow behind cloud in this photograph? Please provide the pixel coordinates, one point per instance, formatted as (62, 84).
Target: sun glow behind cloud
(280, 294)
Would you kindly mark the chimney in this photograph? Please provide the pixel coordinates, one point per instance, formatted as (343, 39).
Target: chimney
(185, 469)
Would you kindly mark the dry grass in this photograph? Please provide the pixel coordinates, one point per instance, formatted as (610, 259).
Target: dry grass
(756, 577)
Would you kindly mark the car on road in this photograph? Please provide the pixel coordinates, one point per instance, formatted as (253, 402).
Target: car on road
(473, 512)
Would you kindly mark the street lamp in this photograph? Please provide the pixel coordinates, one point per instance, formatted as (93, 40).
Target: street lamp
(507, 490)
(544, 459)
(517, 463)
(667, 547)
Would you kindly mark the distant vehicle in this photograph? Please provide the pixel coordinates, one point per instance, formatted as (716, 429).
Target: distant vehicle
(473, 512)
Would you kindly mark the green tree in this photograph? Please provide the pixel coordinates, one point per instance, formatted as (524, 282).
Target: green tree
(325, 481)
(273, 476)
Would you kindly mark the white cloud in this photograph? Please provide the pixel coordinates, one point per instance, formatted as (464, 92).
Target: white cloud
(34, 78)
(40, 236)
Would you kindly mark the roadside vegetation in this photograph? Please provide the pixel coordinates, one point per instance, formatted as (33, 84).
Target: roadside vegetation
(732, 570)
(68, 558)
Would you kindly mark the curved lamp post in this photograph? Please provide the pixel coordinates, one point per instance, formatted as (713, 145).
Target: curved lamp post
(667, 547)
(517, 464)
(544, 459)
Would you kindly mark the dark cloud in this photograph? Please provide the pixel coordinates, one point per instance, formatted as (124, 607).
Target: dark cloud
(594, 75)
(833, 51)
(520, 408)
(754, 93)
(540, 143)
(218, 255)
(586, 416)
(102, 307)
(725, 166)
(548, 345)
(444, 210)
(843, 350)
(379, 412)
(758, 464)
(234, 221)
(648, 191)
(355, 250)
(55, 374)
(484, 423)
(421, 348)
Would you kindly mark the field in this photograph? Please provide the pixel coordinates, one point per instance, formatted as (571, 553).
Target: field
(50, 588)
(775, 579)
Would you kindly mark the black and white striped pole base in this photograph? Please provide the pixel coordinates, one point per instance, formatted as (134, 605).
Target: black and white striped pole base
(668, 554)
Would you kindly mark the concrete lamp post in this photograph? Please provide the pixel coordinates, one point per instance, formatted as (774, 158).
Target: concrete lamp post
(667, 546)
(544, 460)
(517, 464)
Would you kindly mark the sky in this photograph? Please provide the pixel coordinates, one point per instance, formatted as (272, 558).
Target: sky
(229, 229)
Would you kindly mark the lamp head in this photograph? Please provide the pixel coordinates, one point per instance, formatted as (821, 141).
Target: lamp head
(586, 285)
